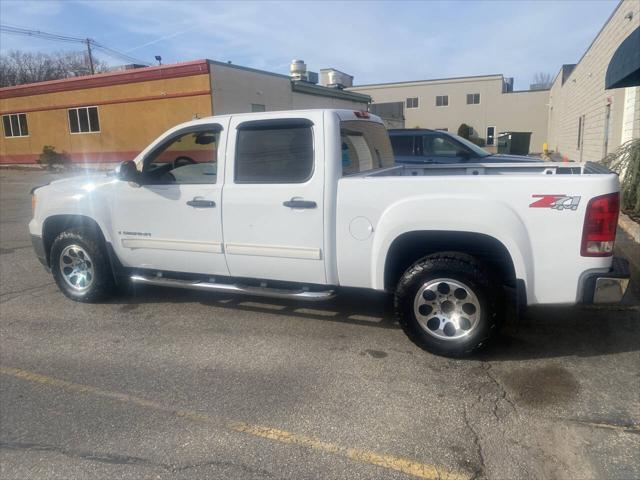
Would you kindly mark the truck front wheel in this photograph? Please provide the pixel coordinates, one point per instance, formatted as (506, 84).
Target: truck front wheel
(446, 304)
(80, 266)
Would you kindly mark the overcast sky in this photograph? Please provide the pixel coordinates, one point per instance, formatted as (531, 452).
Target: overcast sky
(374, 41)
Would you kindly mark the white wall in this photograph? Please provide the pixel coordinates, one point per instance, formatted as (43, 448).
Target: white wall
(515, 111)
(583, 93)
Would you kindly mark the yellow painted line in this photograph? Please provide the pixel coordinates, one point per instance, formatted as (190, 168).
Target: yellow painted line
(404, 465)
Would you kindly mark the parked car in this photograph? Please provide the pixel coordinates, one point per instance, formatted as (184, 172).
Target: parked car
(422, 145)
(273, 204)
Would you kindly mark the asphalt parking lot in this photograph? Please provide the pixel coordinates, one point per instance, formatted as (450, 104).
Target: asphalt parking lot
(177, 384)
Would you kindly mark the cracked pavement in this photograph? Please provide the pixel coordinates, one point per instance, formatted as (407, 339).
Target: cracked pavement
(557, 396)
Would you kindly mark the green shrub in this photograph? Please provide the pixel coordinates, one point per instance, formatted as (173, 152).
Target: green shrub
(478, 141)
(464, 131)
(49, 157)
(626, 162)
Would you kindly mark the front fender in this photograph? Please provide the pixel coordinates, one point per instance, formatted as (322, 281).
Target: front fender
(81, 198)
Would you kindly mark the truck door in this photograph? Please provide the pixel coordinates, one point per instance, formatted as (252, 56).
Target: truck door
(171, 220)
(273, 199)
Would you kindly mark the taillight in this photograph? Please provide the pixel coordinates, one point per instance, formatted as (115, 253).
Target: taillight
(600, 223)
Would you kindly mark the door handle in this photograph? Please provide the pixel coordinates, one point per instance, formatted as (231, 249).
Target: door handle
(294, 203)
(199, 203)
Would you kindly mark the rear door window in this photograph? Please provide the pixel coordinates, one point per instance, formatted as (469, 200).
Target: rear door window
(274, 152)
(402, 145)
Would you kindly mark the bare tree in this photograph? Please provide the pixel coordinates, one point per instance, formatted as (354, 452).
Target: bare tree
(541, 81)
(19, 67)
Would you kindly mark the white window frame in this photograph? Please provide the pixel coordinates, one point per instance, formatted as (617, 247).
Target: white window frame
(442, 96)
(473, 98)
(417, 102)
(4, 132)
(494, 136)
(88, 118)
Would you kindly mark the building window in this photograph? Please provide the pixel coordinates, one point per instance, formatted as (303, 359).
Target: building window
(579, 133)
(607, 126)
(84, 120)
(473, 98)
(491, 136)
(274, 152)
(258, 107)
(442, 100)
(412, 102)
(15, 125)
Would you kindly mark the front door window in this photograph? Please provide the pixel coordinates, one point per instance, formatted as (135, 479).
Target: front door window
(188, 158)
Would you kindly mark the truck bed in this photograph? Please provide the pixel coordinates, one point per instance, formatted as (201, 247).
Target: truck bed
(509, 202)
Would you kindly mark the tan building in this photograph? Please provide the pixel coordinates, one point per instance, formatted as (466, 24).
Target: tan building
(112, 117)
(587, 119)
(486, 103)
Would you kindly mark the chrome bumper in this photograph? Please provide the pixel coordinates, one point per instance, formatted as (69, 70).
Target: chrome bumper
(608, 287)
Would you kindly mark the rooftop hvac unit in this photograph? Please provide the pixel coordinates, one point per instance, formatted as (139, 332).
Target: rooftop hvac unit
(330, 77)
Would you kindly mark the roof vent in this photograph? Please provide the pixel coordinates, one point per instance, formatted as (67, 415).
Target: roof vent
(299, 73)
(330, 77)
(297, 69)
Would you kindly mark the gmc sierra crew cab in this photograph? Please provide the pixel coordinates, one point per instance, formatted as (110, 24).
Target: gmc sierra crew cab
(298, 204)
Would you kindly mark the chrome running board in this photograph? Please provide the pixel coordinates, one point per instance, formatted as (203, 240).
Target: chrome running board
(299, 294)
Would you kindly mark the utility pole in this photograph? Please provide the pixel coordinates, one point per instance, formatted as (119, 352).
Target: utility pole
(88, 42)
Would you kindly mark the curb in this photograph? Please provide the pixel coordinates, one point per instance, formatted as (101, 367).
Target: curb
(630, 227)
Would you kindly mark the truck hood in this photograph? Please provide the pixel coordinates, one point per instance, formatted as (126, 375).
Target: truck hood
(78, 183)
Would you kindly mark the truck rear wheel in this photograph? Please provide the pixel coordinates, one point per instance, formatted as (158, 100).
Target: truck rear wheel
(80, 266)
(447, 305)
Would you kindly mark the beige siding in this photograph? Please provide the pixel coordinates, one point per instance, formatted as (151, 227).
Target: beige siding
(235, 89)
(583, 93)
(515, 111)
(523, 112)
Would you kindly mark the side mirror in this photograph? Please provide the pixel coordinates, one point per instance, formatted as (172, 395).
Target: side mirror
(127, 171)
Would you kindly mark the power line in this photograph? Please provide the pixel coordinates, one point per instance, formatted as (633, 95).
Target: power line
(15, 30)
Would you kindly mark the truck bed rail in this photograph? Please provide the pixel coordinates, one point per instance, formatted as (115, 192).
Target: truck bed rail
(540, 168)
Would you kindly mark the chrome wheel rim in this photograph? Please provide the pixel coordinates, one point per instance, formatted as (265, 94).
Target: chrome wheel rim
(447, 309)
(76, 268)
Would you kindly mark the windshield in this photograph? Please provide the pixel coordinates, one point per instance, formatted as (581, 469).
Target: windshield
(481, 152)
(365, 146)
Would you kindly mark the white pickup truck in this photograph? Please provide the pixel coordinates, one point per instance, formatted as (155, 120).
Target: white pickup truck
(297, 204)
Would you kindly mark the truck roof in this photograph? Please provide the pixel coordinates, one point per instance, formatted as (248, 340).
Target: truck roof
(410, 131)
(343, 114)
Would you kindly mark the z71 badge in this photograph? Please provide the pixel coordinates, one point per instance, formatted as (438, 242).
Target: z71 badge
(556, 202)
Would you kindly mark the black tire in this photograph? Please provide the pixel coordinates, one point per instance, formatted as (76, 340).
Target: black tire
(458, 267)
(101, 285)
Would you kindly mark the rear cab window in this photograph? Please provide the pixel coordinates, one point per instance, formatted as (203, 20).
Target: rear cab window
(365, 146)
